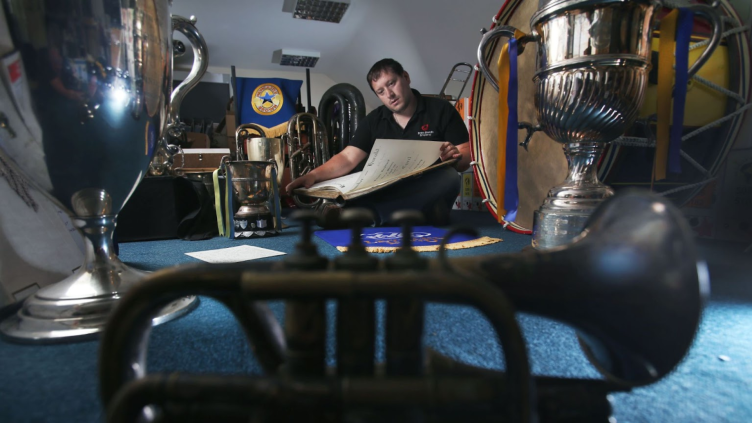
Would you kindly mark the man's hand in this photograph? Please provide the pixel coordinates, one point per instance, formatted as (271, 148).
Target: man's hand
(450, 151)
(304, 181)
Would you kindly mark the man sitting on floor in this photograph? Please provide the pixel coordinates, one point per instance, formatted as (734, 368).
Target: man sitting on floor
(405, 114)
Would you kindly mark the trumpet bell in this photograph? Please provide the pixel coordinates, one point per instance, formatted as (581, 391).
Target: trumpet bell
(631, 284)
(646, 330)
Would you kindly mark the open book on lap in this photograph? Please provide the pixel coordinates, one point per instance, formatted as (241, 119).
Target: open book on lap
(390, 161)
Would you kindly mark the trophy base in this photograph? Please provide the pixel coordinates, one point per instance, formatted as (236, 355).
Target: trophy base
(564, 213)
(552, 228)
(77, 308)
(255, 224)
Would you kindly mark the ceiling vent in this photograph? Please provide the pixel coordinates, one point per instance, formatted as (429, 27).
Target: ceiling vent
(289, 57)
(317, 10)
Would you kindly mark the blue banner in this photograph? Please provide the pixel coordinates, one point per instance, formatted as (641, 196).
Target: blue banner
(266, 101)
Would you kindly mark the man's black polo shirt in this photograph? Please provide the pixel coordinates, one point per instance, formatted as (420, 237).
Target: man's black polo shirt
(434, 120)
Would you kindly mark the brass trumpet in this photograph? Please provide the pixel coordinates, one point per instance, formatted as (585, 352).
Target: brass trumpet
(630, 284)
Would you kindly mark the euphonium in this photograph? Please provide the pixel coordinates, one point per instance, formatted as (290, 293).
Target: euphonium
(630, 284)
(307, 147)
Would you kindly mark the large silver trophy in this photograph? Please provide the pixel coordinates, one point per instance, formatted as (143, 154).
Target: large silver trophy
(593, 60)
(100, 73)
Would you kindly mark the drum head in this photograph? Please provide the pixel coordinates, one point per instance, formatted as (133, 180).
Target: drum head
(541, 167)
(729, 67)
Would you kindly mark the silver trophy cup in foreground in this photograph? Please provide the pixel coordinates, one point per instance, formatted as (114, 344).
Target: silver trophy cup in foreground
(100, 74)
(592, 66)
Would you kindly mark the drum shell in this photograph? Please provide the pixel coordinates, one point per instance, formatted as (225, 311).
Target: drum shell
(543, 165)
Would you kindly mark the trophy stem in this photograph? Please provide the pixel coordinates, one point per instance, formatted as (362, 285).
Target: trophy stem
(568, 206)
(78, 306)
(582, 160)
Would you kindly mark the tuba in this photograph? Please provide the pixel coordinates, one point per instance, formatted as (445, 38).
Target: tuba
(634, 296)
(342, 108)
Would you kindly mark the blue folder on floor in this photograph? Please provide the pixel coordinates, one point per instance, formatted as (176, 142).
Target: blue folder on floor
(387, 239)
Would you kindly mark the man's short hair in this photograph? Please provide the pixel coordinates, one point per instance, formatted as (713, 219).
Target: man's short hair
(383, 65)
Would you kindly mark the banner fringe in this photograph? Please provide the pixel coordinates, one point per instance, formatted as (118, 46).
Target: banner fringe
(273, 132)
(484, 240)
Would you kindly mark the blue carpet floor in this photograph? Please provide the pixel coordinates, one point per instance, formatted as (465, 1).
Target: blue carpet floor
(58, 383)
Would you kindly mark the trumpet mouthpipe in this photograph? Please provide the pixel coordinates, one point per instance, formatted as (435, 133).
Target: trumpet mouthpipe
(458, 398)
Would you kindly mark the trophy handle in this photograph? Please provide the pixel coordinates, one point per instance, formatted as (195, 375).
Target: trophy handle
(500, 31)
(531, 129)
(200, 62)
(714, 19)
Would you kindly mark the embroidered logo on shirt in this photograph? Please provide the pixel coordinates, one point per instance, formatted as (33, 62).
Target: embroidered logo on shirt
(424, 132)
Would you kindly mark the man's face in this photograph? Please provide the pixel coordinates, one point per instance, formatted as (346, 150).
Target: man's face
(393, 90)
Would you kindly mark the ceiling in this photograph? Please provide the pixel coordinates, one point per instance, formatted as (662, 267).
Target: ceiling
(427, 36)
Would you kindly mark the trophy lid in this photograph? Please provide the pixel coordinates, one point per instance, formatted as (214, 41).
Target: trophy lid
(547, 8)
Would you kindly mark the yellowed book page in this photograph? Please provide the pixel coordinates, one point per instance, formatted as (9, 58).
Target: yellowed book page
(341, 184)
(392, 159)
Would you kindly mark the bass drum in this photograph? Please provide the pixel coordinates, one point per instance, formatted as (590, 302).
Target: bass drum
(544, 164)
(712, 119)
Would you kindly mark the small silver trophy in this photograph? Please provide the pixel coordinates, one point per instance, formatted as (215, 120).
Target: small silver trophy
(255, 177)
(593, 59)
(255, 189)
(101, 78)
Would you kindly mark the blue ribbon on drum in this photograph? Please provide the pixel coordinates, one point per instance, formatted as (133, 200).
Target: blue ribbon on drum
(511, 191)
(681, 80)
